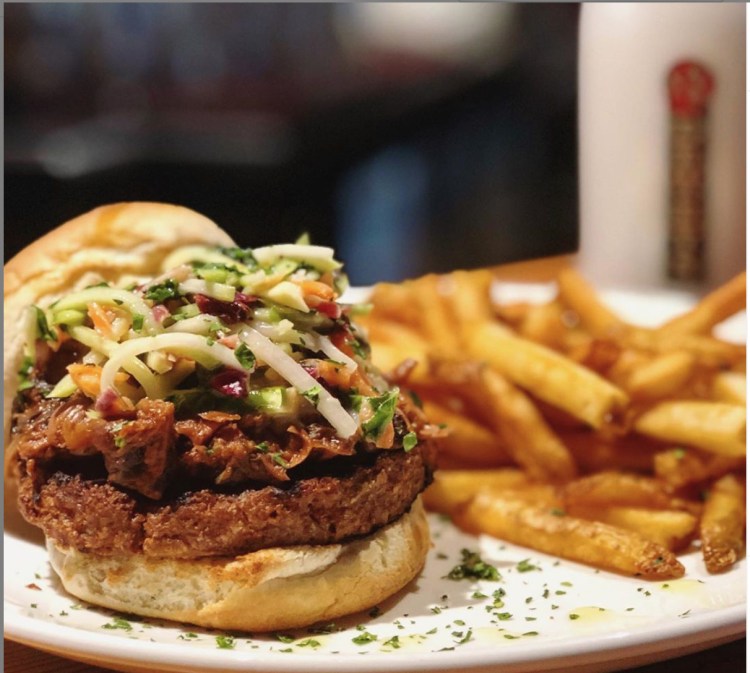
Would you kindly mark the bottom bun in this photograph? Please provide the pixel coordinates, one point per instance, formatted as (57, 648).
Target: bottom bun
(266, 590)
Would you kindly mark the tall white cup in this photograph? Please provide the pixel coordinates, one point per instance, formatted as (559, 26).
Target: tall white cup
(627, 51)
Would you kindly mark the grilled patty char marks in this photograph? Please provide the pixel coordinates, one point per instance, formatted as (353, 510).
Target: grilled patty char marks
(99, 517)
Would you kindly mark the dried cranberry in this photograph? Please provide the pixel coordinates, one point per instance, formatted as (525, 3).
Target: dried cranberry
(228, 312)
(230, 382)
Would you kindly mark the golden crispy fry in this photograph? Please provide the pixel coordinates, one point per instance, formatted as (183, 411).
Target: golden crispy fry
(578, 295)
(712, 426)
(548, 375)
(467, 439)
(668, 528)
(594, 453)
(545, 324)
(392, 302)
(709, 352)
(590, 542)
(513, 314)
(730, 387)
(664, 376)
(435, 319)
(606, 489)
(683, 467)
(714, 308)
(527, 436)
(723, 524)
(387, 357)
(467, 293)
(452, 488)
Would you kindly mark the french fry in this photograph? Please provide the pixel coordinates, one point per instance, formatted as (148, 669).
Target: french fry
(606, 489)
(684, 467)
(387, 357)
(394, 302)
(664, 376)
(467, 439)
(723, 524)
(668, 528)
(548, 375)
(712, 426)
(708, 351)
(452, 488)
(435, 319)
(714, 308)
(529, 439)
(730, 387)
(589, 542)
(594, 453)
(578, 295)
(544, 324)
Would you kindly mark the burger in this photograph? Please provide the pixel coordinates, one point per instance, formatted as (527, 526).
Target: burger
(198, 430)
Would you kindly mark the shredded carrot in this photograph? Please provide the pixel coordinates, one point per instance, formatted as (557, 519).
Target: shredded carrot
(102, 321)
(314, 288)
(334, 374)
(88, 377)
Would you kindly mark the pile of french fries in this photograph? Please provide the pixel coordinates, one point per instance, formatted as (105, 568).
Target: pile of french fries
(571, 431)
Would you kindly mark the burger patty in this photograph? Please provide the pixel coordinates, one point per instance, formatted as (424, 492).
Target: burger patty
(99, 517)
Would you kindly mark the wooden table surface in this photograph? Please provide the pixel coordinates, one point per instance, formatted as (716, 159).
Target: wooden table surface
(724, 659)
(728, 658)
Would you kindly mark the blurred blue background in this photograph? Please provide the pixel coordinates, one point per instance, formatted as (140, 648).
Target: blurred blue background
(413, 137)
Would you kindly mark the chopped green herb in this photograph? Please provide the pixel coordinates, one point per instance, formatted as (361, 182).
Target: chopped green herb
(531, 633)
(566, 584)
(33, 605)
(308, 642)
(525, 566)
(393, 642)
(137, 322)
(312, 395)
(383, 408)
(284, 638)
(478, 595)
(679, 453)
(188, 635)
(276, 457)
(560, 593)
(510, 637)
(162, 291)
(242, 255)
(364, 638)
(118, 623)
(24, 373)
(556, 511)
(245, 356)
(473, 567)
(573, 615)
(42, 328)
(504, 616)
(63, 613)
(545, 594)
(410, 441)
(462, 637)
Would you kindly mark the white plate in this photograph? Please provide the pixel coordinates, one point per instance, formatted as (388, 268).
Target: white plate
(560, 616)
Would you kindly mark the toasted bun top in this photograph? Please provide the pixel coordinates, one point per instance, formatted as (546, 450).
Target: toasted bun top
(109, 243)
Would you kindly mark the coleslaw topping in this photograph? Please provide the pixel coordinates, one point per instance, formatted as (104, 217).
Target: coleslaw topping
(220, 328)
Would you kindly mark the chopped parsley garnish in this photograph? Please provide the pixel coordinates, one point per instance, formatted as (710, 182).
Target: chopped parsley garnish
(308, 642)
(276, 457)
(284, 638)
(359, 348)
(364, 638)
(573, 615)
(225, 642)
(525, 566)
(188, 635)
(242, 255)
(42, 327)
(393, 642)
(118, 623)
(473, 567)
(245, 356)
(263, 447)
(312, 395)
(162, 291)
(24, 373)
(410, 441)
(462, 637)
(383, 408)
(137, 322)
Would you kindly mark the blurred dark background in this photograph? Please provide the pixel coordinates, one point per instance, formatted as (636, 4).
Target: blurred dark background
(413, 137)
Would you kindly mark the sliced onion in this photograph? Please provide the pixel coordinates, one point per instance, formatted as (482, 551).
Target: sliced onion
(289, 369)
(111, 297)
(218, 291)
(321, 343)
(192, 345)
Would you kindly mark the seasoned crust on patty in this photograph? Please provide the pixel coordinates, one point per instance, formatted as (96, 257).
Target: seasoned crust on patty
(98, 517)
